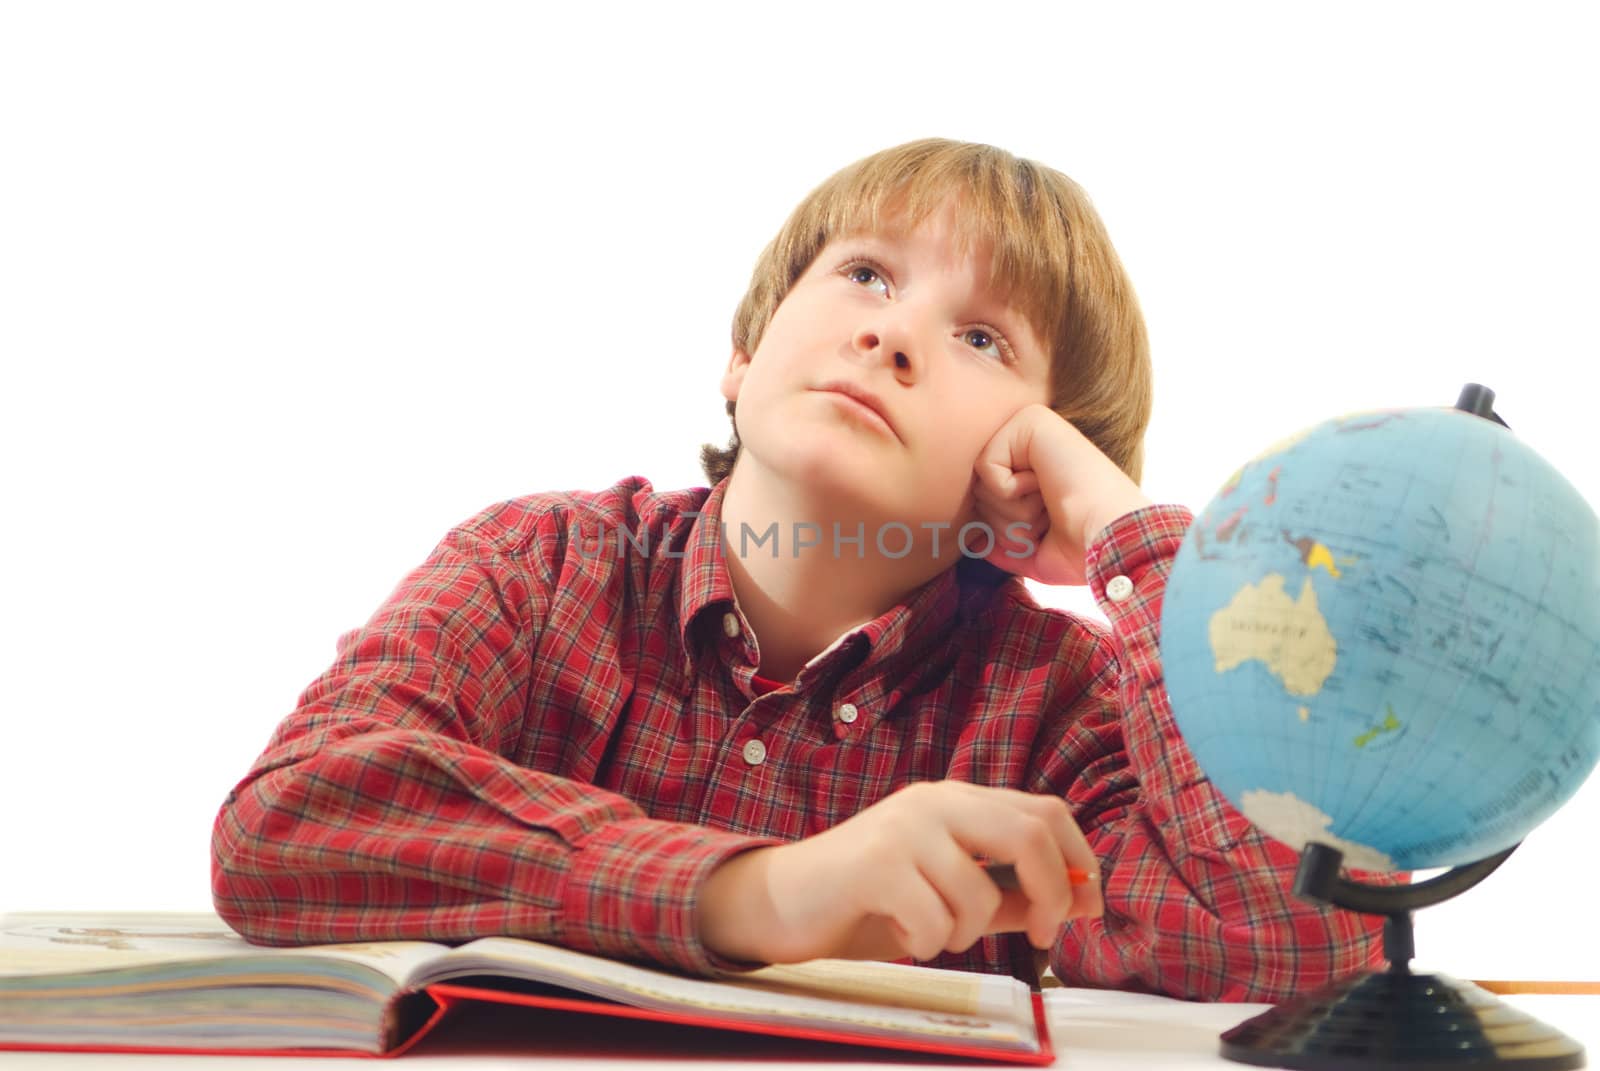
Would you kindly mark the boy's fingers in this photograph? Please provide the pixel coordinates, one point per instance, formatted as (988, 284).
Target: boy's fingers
(1012, 915)
(1030, 508)
(1057, 816)
(1037, 835)
(1042, 875)
(1080, 856)
(1002, 515)
(969, 896)
(1088, 898)
(1000, 482)
(873, 937)
(1019, 914)
(917, 914)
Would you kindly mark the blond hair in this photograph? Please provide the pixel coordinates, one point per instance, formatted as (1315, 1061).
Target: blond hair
(1050, 258)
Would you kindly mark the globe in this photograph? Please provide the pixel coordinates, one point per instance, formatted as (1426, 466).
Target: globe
(1383, 635)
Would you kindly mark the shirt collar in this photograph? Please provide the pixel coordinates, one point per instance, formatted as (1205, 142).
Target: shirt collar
(703, 580)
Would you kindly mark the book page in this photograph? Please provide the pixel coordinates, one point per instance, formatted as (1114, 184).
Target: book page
(893, 984)
(46, 943)
(844, 996)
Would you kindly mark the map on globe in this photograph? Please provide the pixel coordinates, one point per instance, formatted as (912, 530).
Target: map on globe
(1383, 634)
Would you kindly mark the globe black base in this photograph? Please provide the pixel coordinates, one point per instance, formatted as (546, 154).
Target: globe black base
(1399, 1021)
(1395, 1020)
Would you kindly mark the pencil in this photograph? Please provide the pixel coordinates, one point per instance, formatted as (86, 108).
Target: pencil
(1005, 875)
(1529, 985)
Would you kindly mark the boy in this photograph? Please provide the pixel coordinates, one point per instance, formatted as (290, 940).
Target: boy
(789, 716)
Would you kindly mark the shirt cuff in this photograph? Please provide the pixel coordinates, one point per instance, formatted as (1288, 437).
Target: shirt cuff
(632, 886)
(1129, 548)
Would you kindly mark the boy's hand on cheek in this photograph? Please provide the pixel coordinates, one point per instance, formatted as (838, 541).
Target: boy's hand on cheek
(902, 878)
(1041, 471)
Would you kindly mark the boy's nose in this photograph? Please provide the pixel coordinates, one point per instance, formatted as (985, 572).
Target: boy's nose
(870, 342)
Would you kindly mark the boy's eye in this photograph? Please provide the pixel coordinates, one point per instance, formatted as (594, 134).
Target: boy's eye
(980, 339)
(865, 275)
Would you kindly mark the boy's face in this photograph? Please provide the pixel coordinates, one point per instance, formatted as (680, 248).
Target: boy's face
(901, 318)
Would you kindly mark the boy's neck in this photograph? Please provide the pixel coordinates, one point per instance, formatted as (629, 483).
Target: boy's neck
(803, 599)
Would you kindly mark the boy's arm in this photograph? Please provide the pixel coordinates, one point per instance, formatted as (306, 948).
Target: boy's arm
(385, 807)
(1197, 902)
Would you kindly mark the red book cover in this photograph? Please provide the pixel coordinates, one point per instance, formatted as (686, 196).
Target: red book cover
(188, 984)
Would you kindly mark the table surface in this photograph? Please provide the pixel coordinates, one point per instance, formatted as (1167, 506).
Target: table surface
(1093, 1030)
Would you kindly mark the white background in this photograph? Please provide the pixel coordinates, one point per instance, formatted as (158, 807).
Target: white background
(288, 289)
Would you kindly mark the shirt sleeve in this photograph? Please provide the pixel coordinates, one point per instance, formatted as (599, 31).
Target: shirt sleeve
(385, 806)
(1198, 902)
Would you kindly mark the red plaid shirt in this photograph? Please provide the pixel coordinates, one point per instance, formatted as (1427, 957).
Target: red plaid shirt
(537, 737)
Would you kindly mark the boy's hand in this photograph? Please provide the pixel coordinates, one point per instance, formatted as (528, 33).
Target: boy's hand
(1040, 470)
(901, 879)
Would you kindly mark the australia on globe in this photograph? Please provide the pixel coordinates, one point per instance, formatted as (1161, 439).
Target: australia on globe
(1383, 635)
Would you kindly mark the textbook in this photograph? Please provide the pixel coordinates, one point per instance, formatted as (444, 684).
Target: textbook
(178, 983)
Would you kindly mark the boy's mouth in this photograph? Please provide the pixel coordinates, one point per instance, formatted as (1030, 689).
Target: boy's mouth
(858, 397)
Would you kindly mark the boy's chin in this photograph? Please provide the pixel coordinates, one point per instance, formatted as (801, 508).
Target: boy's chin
(857, 489)
(840, 475)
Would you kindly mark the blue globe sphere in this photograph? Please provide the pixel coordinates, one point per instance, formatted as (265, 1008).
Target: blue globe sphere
(1383, 634)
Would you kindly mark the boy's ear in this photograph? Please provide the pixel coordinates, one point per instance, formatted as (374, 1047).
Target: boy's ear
(733, 378)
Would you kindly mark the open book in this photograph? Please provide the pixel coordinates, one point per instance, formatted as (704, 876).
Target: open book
(187, 983)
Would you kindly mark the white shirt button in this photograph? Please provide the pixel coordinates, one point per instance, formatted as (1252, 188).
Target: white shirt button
(755, 753)
(1119, 588)
(730, 624)
(847, 713)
